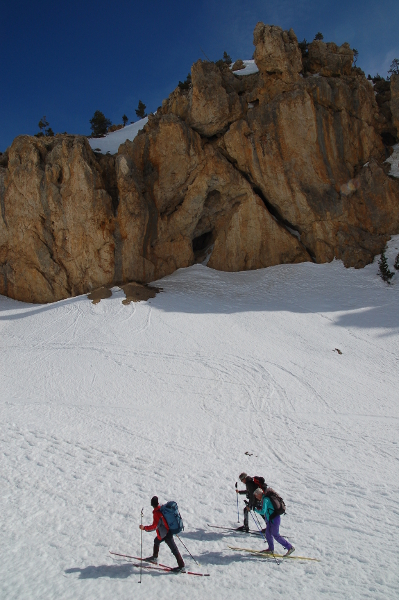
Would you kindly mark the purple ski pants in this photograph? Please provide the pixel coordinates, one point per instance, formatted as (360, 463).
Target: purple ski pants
(272, 531)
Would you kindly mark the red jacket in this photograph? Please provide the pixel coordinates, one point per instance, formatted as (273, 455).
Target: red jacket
(157, 516)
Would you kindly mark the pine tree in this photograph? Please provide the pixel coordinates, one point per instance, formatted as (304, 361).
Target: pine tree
(227, 58)
(384, 271)
(396, 263)
(319, 36)
(99, 124)
(45, 129)
(185, 85)
(394, 70)
(125, 120)
(43, 124)
(355, 56)
(304, 48)
(140, 110)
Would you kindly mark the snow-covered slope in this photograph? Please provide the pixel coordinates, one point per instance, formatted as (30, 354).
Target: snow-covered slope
(111, 142)
(103, 406)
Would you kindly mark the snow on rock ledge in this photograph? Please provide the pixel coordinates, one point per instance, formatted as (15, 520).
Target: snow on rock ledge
(249, 68)
(111, 142)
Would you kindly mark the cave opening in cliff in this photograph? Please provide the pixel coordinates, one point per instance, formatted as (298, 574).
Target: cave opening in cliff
(388, 139)
(201, 244)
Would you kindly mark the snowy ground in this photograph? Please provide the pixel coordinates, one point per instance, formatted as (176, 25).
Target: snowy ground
(104, 405)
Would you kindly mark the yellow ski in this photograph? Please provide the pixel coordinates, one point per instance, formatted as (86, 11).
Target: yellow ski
(262, 554)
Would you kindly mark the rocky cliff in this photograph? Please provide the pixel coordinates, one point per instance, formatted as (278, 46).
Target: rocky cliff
(284, 165)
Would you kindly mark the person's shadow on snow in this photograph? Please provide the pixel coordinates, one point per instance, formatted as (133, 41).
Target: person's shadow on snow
(111, 571)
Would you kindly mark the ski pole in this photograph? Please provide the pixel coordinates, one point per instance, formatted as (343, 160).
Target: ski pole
(180, 540)
(141, 545)
(255, 519)
(238, 512)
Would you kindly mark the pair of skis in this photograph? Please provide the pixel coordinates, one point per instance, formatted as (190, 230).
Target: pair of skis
(238, 530)
(159, 567)
(259, 553)
(263, 554)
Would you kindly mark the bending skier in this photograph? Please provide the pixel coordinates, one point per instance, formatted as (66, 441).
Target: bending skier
(163, 535)
(267, 510)
(251, 484)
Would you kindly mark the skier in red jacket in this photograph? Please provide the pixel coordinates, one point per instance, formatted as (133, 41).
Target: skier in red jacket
(163, 535)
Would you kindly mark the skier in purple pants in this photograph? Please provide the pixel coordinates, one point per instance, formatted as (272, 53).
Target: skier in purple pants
(272, 525)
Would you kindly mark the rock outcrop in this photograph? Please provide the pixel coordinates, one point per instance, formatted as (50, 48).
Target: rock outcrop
(277, 51)
(394, 102)
(242, 172)
(330, 60)
(56, 226)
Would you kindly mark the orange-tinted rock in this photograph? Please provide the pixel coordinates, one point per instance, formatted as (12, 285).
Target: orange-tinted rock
(330, 60)
(277, 51)
(56, 230)
(301, 148)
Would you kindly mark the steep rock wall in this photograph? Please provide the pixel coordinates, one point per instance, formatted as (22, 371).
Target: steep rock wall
(285, 165)
(56, 225)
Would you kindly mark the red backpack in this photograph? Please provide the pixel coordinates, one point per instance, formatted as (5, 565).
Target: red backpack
(260, 482)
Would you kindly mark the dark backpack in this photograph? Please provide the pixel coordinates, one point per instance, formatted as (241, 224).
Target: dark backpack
(260, 482)
(277, 501)
(172, 516)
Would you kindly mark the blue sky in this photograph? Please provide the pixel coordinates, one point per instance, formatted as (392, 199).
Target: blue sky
(67, 60)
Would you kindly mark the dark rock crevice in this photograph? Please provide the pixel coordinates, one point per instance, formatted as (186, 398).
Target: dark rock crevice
(118, 261)
(201, 245)
(108, 171)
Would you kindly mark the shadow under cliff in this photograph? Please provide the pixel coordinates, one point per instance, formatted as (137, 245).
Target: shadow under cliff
(359, 294)
(361, 297)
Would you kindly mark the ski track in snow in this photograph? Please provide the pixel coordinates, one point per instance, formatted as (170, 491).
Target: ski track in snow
(103, 406)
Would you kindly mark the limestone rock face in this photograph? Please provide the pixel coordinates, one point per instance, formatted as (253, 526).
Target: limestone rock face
(56, 226)
(240, 172)
(330, 60)
(212, 105)
(189, 201)
(301, 150)
(277, 51)
(216, 98)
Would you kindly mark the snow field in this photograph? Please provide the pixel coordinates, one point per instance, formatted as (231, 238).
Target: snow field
(103, 406)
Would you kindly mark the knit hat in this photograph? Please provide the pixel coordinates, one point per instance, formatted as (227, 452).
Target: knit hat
(154, 501)
(243, 476)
